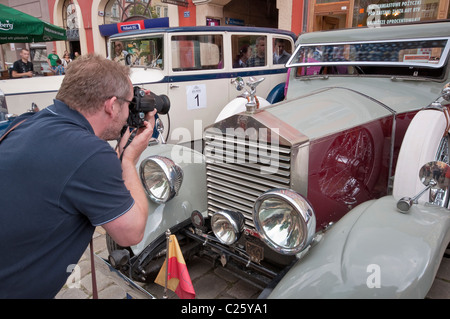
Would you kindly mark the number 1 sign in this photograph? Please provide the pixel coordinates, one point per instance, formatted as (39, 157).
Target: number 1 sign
(196, 96)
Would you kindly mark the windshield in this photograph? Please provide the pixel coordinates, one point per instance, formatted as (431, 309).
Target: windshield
(371, 57)
(146, 52)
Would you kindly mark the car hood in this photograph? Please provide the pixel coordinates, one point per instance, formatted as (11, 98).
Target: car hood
(317, 110)
(313, 115)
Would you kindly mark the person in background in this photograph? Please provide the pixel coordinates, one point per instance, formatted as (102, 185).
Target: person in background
(52, 58)
(119, 53)
(242, 59)
(59, 68)
(260, 58)
(66, 60)
(22, 68)
(280, 55)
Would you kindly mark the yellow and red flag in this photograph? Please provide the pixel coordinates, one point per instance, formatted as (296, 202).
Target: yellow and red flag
(178, 279)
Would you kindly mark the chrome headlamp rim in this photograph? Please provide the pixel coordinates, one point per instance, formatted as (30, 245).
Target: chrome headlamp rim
(301, 207)
(235, 219)
(171, 172)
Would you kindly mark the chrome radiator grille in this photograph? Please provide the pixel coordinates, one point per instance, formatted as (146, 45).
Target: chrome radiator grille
(239, 170)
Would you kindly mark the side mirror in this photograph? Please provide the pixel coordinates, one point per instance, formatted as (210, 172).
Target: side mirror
(432, 175)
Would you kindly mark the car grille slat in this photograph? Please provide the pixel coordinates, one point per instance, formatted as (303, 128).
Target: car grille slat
(240, 170)
(227, 191)
(225, 154)
(223, 184)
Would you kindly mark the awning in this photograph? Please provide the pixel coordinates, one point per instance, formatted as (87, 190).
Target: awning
(19, 27)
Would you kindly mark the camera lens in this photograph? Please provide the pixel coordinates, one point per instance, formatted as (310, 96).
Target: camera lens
(152, 101)
(143, 103)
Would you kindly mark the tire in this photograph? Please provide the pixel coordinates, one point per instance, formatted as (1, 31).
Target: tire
(420, 146)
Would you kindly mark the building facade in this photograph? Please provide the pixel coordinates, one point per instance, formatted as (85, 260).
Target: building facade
(87, 20)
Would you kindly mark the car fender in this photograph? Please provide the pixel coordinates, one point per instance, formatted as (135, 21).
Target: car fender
(372, 252)
(277, 93)
(419, 146)
(191, 196)
(236, 106)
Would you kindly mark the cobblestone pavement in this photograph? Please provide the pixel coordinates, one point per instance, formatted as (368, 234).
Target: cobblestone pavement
(209, 282)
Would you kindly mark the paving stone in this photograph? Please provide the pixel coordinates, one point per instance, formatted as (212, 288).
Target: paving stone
(209, 287)
(198, 267)
(71, 293)
(444, 270)
(439, 290)
(225, 274)
(243, 290)
(112, 292)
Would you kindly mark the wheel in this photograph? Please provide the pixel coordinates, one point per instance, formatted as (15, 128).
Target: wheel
(421, 144)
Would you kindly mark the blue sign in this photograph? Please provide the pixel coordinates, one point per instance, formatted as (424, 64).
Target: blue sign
(114, 28)
(130, 27)
(232, 21)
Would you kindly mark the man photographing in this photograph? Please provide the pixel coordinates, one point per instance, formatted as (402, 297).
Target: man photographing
(60, 179)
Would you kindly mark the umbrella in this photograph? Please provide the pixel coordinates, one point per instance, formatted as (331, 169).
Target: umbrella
(19, 27)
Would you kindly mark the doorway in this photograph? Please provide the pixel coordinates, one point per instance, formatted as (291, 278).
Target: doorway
(74, 47)
(329, 22)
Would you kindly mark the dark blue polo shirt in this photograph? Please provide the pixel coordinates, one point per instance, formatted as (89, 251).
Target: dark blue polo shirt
(57, 181)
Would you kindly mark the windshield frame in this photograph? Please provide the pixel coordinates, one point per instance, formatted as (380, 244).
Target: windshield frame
(442, 61)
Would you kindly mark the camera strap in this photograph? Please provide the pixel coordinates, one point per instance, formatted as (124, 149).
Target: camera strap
(93, 276)
(130, 139)
(10, 130)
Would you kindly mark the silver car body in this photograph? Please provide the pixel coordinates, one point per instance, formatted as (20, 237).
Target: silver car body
(334, 141)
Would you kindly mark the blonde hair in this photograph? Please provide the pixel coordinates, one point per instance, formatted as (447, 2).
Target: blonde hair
(90, 80)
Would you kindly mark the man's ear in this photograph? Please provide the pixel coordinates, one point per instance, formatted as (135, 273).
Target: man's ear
(110, 105)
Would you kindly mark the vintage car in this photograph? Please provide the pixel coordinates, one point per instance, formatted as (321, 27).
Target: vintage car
(193, 66)
(318, 196)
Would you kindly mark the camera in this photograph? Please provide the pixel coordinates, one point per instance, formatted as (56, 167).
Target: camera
(143, 103)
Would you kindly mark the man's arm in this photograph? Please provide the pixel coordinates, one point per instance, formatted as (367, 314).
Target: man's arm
(17, 74)
(128, 229)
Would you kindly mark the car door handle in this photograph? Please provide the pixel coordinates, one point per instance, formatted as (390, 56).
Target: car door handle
(174, 86)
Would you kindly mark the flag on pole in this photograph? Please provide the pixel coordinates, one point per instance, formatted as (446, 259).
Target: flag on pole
(178, 279)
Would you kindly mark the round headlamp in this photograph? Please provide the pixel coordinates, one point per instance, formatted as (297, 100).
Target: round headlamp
(227, 226)
(161, 178)
(285, 220)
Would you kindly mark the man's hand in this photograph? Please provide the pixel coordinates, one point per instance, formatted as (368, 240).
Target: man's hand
(140, 141)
